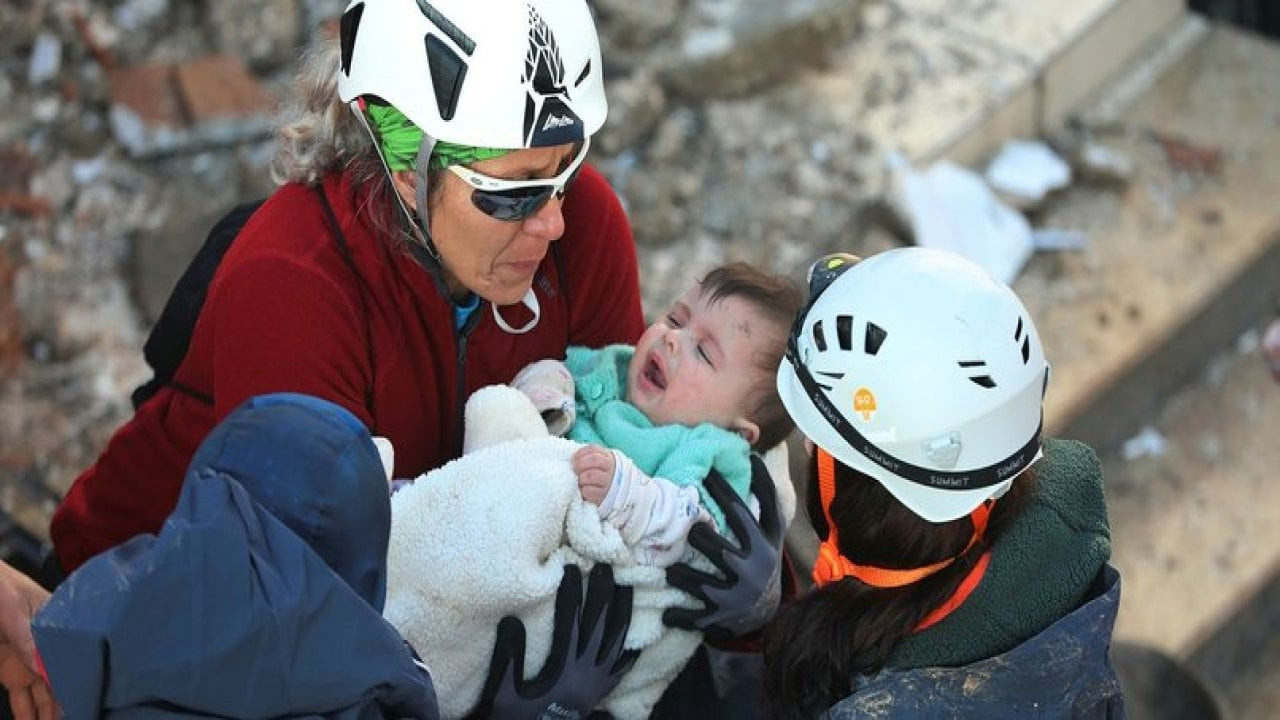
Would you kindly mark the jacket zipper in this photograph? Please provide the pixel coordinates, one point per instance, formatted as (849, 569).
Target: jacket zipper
(432, 267)
(460, 401)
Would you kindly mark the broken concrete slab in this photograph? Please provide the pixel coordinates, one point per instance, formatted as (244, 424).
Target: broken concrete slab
(762, 43)
(1103, 46)
(1195, 524)
(1074, 47)
(1115, 312)
(145, 109)
(1160, 324)
(921, 88)
(159, 108)
(954, 79)
(224, 103)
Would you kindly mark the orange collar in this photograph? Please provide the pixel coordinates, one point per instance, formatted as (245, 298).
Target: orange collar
(831, 566)
(963, 590)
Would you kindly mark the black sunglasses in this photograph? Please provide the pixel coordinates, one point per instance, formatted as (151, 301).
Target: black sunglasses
(515, 200)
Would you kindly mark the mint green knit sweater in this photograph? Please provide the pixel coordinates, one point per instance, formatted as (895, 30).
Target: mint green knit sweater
(679, 453)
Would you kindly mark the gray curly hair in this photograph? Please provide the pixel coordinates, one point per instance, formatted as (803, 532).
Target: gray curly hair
(318, 133)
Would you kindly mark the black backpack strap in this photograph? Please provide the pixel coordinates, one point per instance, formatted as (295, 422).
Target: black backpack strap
(561, 275)
(341, 240)
(169, 339)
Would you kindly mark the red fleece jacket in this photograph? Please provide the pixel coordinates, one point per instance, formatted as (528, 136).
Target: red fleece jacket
(285, 312)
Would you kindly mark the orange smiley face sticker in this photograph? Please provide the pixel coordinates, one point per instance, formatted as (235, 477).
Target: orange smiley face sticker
(864, 403)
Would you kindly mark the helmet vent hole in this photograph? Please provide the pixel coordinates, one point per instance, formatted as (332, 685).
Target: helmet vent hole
(844, 332)
(819, 337)
(1017, 332)
(985, 381)
(347, 28)
(586, 70)
(874, 338)
(1026, 350)
(447, 73)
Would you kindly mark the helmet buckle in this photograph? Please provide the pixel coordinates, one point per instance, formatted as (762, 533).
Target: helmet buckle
(944, 450)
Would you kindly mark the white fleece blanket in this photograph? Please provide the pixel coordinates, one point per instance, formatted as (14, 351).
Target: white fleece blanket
(489, 534)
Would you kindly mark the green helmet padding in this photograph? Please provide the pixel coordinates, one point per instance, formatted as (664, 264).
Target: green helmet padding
(400, 140)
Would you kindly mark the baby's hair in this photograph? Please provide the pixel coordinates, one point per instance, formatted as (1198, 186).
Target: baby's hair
(819, 643)
(777, 299)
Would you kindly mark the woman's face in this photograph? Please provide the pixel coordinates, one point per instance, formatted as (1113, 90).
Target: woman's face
(494, 259)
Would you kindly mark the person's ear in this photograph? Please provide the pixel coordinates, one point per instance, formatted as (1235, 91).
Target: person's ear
(405, 183)
(748, 430)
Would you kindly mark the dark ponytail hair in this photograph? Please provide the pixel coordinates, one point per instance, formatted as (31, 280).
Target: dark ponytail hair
(818, 644)
(777, 299)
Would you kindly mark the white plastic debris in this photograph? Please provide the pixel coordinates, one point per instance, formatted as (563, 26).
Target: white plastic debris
(951, 208)
(46, 59)
(1271, 349)
(1147, 443)
(1028, 170)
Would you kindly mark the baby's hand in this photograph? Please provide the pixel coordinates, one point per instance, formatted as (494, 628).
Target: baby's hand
(594, 466)
(549, 386)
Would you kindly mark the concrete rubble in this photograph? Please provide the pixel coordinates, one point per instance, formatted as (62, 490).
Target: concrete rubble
(133, 125)
(211, 101)
(739, 129)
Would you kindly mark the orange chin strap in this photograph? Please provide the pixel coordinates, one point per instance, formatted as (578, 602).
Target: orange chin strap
(831, 566)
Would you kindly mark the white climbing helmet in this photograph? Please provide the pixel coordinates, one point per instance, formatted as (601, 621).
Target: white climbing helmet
(498, 73)
(919, 369)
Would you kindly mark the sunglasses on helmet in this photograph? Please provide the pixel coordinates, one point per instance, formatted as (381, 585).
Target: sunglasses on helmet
(514, 200)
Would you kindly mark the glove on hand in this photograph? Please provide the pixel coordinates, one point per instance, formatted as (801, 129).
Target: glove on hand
(748, 594)
(586, 661)
(550, 386)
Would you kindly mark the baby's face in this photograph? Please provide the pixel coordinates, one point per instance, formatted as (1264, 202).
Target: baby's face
(700, 363)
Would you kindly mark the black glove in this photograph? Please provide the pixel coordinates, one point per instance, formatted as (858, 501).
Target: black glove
(746, 597)
(586, 661)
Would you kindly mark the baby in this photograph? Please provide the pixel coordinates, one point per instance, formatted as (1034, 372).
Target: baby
(695, 394)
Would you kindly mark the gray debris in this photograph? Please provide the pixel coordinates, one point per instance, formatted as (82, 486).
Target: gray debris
(134, 15)
(262, 33)
(1102, 164)
(729, 49)
(46, 59)
(1025, 171)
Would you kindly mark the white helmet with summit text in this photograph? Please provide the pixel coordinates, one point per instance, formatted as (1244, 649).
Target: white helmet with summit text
(500, 73)
(919, 369)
